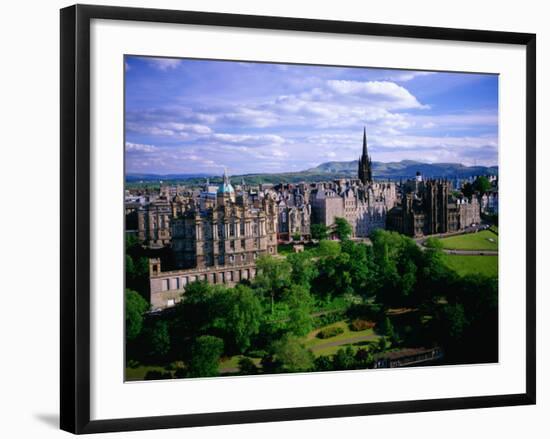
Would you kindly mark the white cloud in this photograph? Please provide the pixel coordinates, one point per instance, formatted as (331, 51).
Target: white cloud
(394, 96)
(139, 147)
(248, 139)
(408, 76)
(164, 64)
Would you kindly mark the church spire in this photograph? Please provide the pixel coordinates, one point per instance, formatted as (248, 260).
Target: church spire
(365, 169)
(365, 154)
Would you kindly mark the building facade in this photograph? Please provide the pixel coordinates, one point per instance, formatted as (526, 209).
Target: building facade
(363, 202)
(218, 241)
(428, 208)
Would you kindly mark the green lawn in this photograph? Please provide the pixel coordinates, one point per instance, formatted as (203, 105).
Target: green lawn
(463, 265)
(233, 362)
(347, 337)
(484, 240)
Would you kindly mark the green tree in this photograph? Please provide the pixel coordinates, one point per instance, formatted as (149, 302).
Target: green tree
(363, 358)
(385, 328)
(335, 278)
(455, 321)
(136, 306)
(293, 355)
(205, 356)
(273, 277)
(157, 340)
(323, 363)
(319, 231)
(299, 302)
(397, 258)
(130, 269)
(296, 236)
(361, 267)
(242, 316)
(343, 228)
(481, 184)
(329, 248)
(344, 359)
(303, 269)
(199, 310)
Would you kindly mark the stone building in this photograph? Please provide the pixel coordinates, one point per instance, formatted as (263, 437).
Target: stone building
(153, 220)
(428, 208)
(219, 243)
(294, 211)
(363, 202)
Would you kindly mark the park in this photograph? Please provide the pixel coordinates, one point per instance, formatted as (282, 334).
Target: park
(335, 305)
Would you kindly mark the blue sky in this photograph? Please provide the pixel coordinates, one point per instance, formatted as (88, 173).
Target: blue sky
(198, 116)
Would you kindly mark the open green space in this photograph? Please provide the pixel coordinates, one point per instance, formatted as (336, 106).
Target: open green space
(347, 337)
(484, 240)
(464, 265)
(271, 324)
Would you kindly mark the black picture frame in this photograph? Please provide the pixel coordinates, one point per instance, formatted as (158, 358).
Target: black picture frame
(75, 217)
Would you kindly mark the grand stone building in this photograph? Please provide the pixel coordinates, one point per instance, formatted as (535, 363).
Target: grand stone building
(428, 208)
(294, 211)
(217, 240)
(363, 202)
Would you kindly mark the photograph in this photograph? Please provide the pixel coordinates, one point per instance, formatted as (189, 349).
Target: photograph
(296, 218)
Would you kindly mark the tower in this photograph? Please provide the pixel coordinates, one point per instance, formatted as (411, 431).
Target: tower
(365, 164)
(226, 193)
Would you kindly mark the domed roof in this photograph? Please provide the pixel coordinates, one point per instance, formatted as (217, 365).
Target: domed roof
(225, 187)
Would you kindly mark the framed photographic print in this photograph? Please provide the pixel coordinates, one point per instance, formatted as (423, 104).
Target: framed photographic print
(268, 218)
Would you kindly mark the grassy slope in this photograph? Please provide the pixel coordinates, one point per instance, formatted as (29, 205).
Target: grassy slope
(463, 265)
(484, 240)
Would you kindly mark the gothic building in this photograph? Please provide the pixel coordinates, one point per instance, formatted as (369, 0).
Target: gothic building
(428, 208)
(294, 211)
(363, 202)
(217, 240)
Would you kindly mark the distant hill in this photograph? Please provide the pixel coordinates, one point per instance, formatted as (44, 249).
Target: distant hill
(406, 169)
(331, 170)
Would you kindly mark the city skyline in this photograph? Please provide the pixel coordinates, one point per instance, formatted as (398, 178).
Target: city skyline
(197, 116)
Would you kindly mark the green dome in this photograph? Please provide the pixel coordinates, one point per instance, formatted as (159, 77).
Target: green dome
(225, 187)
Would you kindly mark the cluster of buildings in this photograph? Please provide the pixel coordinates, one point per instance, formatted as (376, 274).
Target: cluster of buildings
(217, 232)
(429, 207)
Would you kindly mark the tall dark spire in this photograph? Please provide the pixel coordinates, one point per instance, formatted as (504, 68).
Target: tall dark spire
(365, 168)
(365, 154)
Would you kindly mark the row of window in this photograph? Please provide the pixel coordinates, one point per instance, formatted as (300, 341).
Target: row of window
(178, 283)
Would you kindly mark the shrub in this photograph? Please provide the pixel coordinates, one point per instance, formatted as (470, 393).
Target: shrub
(323, 363)
(157, 375)
(247, 366)
(361, 325)
(363, 358)
(332, 331)
(328, 319)
(256, 353)
(344, 359)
